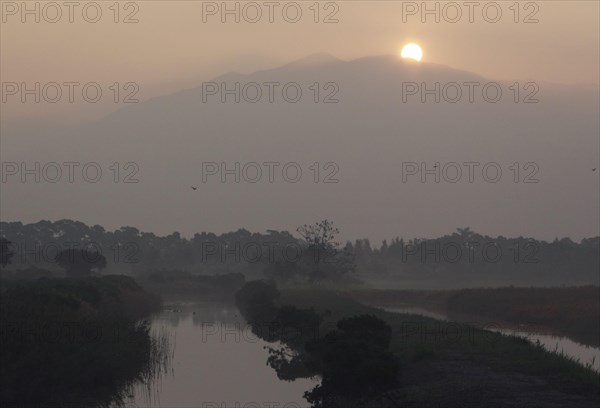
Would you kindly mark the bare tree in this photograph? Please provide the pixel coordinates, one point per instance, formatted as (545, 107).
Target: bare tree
(327, 259)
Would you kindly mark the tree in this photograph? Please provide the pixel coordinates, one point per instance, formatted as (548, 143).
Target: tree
(320, 235)
(325, 258)
(6, 252)
(257, 302)
(355, 362)
(465, 233)
(80, 262)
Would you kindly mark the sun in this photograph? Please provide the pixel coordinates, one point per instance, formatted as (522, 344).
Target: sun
(412, 51)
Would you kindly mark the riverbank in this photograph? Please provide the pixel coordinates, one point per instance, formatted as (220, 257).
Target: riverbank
(573, 312)
(75, 342)
(452, 364)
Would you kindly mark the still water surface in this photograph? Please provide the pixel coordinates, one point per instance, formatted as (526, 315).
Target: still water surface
(216, 362)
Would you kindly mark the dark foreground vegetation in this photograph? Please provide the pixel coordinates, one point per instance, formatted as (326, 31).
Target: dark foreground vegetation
(75, 342)
(437, 363)
(569, 311)
(352, 357)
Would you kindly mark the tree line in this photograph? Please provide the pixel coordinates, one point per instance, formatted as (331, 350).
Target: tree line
(312, 254)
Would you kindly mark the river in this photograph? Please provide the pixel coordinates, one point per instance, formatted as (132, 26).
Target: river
(216, 362)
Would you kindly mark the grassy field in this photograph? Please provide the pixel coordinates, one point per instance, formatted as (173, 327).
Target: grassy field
(570, 311)
(450, 364)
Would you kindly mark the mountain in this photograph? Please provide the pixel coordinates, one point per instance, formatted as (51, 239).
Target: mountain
(368, 133)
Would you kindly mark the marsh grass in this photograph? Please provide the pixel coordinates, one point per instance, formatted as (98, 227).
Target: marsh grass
(77, 342)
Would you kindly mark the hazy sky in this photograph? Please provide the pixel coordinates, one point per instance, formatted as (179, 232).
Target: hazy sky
(176, 45)
(171, 47)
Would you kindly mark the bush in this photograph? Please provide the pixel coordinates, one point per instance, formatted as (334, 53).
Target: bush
(355, 363)
(257, 301)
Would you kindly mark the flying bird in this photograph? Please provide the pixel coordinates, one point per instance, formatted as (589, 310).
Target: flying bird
(593, 169)
(194, 188)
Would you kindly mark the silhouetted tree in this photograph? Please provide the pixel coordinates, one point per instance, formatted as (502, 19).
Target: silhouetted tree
(324, 258)
(459, 256)
(6, 252)
(80, 262)
(257, 301)
(355, 363)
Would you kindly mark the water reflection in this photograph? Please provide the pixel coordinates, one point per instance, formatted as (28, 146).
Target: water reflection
(216, 360)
